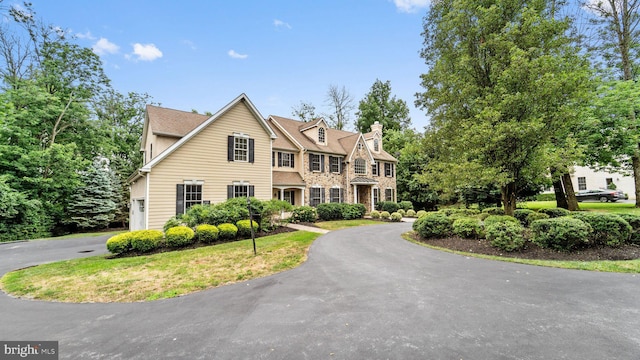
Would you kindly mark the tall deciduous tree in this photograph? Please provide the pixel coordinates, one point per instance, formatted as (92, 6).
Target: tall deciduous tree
(504, 79)
(304, 111)
(379, 105)
(341, 103)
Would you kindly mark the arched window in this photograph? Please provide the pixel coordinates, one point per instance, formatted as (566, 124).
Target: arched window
(321, 137)
(376, 145)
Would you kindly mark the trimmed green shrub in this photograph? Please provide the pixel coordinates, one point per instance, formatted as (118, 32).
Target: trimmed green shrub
(227, 231)
(179, 236)
(608, 229)
(401, 212)
(396, 216)
(304, 214)
(507, 236)
(329, 211)
(120, 243)
(388, 206)
(555, 212)
(634, 221)
(244, 227)
(494, 211)
(460, 212)
(536, 216)
(433, 225)
(521, 215)
(206, 233)
(271, 210)
(421, 213)
(353, 211)
(146, 240)
(172, 222)
(492, 219)
(469, 228)
(482, 216)
(411, 213)
(375, 214)
(562, 233)
(385, 215)
(405, 205)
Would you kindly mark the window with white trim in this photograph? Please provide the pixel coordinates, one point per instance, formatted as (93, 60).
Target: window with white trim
(315, 162)
(316, 196)
(334, 163)
(335, 195)
(360, 166)
(240, 148)
(388, 170)
(192, 195)
(240, 191)
(375, 171)
(376, 196)
(388, 194)
(582, 183)
(289, 196)
(321, 135)
(376, 145)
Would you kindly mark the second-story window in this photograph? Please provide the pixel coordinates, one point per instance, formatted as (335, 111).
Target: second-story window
(314, 162)
(388, 170)
(321, 136)
(285, 160)
(361, 166)
(376, 145)
(334, 163)
(375, 171)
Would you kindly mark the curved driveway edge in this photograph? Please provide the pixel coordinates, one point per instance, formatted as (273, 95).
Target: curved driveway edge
(364, 293)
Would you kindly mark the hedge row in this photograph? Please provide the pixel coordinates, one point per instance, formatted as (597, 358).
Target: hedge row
(340, 211)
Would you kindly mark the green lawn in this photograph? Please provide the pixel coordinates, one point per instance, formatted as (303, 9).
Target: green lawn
(81, 235)
(158, 276)
(342, 224)
(615, 207)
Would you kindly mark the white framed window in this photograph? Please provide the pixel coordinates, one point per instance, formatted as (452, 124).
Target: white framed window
(582, 183)
(315, 162)
(376, 145)
(375, 171)
(240, 191)
(321, 136)
(388, 194)
(240, 148)
(376, 196)
(360, 166)
(335, 195)
(286, 160)
(289, 196)
(334, 163)
(388, 170)
(316, 196)
(192, 195)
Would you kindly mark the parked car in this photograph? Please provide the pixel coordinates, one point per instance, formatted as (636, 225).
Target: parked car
(602, 195)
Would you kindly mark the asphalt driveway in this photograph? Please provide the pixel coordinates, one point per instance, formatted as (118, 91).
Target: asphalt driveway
(364, 293)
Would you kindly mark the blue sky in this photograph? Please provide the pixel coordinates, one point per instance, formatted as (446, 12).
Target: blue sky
(202, 54)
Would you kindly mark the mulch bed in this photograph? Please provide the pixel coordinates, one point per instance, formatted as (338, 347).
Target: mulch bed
(532, 251)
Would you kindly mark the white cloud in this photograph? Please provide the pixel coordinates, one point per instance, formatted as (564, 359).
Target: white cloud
(280, 23)
(234, 55)
(146, 52)
(86, 35)
(190, 44)
(410, 6)
(104, 46)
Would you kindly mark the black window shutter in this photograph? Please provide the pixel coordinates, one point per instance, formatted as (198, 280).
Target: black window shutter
(322, 194)
(252, 190)
(251, 146)
(292, 157)
(273, 158)
(230, 148)
(179, 199)
(340, 165)
(279, 159)
(229, 191)
(310, 162)
(322, 163)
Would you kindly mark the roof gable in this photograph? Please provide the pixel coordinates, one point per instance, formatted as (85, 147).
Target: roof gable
(241, 99)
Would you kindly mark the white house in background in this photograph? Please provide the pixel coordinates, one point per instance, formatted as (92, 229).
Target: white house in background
(584, 178)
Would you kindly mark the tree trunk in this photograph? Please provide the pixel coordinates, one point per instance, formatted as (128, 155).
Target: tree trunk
(572, 202)
(636, 176)
(558, 189)
(509, 198)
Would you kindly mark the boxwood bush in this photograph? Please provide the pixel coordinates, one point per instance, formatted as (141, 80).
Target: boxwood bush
(634, 221)
(433, 225)
(396, 216)
(206, 233)
(120, 243)
(562, 233)
(608, 229)
(494, 211)
(388, 206)
(353, 211)
(375, 214)
(555, 212)
(507, 236)
(411, 213)
(227, 231)
(469, 228)
(244, 227)
(146, 240)
(401, 212)
(329, 211)
(521, 215)
(304, 214)
(385, 215)
(536, 216)
(421, 213)
(405, 205)
(180, 236)
(492, 219)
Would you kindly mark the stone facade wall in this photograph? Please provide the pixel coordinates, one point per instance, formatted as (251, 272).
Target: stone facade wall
(324, 179)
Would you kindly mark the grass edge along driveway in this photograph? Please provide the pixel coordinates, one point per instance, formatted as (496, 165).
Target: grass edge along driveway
(158, 276)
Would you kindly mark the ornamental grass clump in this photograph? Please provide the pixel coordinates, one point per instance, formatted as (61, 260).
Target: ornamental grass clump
(206, 233)
(180, 236)
(561, 233)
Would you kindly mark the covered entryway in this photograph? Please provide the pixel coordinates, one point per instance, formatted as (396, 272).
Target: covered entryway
(362, 191)
(288, 186)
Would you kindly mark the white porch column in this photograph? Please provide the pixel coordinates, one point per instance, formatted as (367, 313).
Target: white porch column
(355, 194)
(373, 206)
(282, 194)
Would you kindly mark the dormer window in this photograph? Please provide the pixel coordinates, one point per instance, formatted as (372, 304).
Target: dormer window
(321, 136)
(376, 145)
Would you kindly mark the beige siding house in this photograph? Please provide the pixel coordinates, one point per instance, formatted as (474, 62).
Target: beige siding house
(196, 159)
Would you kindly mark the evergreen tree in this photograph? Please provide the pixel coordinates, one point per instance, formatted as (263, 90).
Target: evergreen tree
(92, 206)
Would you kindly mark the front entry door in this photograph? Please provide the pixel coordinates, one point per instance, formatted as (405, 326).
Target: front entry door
(364, 196)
